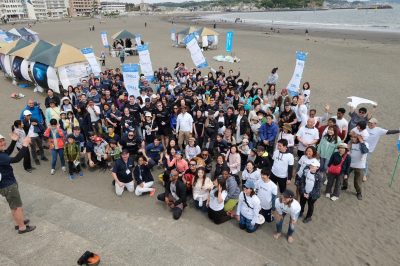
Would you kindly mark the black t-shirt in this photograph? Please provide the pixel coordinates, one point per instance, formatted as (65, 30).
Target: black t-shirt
(124, 170)
(135, 110)
(199, 125)
(161, 116)
(131, 144)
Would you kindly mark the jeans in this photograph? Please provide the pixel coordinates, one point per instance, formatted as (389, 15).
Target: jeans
(245, 224)
(54, 153)
(310, 202)
(279, 225)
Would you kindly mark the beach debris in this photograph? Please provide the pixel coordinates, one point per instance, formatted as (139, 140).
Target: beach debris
(17, 96)
(226, 58)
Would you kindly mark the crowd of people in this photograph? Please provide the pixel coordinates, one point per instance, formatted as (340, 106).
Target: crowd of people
(228, 147)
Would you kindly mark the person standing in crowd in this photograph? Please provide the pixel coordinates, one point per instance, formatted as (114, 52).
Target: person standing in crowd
(143, 177)
(174, 195)
(286, 205)
(56, 145)
(310, 156)
(310, 187)
(355, 118)
(248, 208)
(338, 169)
(268, 133)
(184, 126)
(52, 112)
(36, 112)
(272, 78)
(215, 202)
(341, 123)
(51, 97)
(375, 133)
(282, 168)
(267, 192)
(122, 174)
(73, 156)
(358, 152)
(94, 112)
(307, 136)
(327, 147)
(8, 183)
(17, 128)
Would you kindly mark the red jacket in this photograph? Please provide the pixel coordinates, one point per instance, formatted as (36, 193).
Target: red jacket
(59, 138)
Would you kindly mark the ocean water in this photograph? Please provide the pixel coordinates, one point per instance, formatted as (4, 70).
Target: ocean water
(350, 19)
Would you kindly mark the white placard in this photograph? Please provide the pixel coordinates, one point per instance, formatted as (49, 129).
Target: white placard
(91, 58)
(145, 62)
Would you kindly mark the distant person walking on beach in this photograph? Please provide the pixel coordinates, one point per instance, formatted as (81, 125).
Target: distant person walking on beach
(8, 183)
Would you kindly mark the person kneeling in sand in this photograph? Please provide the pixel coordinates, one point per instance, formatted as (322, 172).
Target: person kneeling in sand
(122, 173)
(143, 177)
(286, 204)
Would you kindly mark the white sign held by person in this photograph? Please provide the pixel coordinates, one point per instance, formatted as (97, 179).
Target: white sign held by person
(91, 58)
(294, 83)
(130, 73)
(138, 39)
(197, 56)
(145, 62)
(104, 39)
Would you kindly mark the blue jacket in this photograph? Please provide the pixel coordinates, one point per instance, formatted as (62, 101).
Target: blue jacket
(268, 132)
(36, 113)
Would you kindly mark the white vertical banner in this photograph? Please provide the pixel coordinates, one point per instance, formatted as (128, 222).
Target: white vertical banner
(130, 73)
(173, 35)
(204, 41)
(294, 83)
(91, 58)
(104, 39)
(145, 62)
(138, 39)
(197, 56)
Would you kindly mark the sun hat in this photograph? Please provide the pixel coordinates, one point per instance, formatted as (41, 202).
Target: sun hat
(260, 219)
(342, 145)
(315, 163)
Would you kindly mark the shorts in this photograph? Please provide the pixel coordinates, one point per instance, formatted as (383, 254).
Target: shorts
(11, 193)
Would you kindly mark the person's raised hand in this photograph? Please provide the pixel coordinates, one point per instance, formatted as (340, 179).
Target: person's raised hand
(26, 142)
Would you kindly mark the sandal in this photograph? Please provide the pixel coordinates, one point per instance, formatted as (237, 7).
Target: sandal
(28, 228)
(25, 223)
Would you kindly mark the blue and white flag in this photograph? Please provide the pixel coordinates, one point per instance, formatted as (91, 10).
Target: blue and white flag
(130, 72)
(294, 83)
(91, 58)
(145, 62)
(104, 39)
(173, 35)
(138, 39)
(197, 56)
(229, 40)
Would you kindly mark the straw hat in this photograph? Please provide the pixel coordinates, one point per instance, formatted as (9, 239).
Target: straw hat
(343, 145)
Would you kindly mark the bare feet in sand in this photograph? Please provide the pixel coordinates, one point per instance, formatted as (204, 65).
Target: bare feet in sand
(277, 235)
(290, 239)
(365, 178)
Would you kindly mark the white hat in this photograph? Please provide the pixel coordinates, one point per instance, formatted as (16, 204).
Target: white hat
(315, 163)
(373, 120)
(65, 98)
(260, 219)
(27, 112)
(1, 137)
(147, 114)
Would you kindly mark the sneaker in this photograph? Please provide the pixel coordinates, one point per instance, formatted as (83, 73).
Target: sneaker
(29, 170)
(80, 173)
(45, 159)
(52, 171)
(326, 182)
(328, 195)
(28, 228)
(64, 169)
(334, 198)
(152, 192)
(307, 220)
(359, 196)
(71, 177)
(37, 162)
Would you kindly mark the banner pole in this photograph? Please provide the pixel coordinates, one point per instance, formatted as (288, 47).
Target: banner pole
(394, 171)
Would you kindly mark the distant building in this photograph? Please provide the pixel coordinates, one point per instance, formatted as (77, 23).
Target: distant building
(112, 7)
(83, 7)
(13, 9)
(145, 7)
(40, 8)
(56, 8)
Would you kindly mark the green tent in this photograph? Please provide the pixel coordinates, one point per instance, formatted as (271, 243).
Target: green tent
(123, 34)
(59, 55)
(19, 45)
(33, 49)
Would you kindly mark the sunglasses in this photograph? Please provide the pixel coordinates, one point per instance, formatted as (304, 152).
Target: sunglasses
(130, 135)
(192, 164)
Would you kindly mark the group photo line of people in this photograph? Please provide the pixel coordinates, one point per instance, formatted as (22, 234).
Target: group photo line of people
(217, 142)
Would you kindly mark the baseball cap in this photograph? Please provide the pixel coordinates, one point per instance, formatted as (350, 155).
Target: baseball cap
(315, 163)
(373, 120)
(147, 114)
(249, 184)
(1, 137)
(124, 151)
(288, 194)
(27, 112)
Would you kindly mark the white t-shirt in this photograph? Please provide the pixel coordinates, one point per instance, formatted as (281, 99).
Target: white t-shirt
(289, 137)
(363, 133)
(342, 124)
(293, 210)
(374, 136)
(301, 113)
(265, 192)
(253, 176)
(93, 116)
(307, 135)
(281, 163)
(310, 181)
(214, 204)
(303, 162)
(249, 210)
(358, 160)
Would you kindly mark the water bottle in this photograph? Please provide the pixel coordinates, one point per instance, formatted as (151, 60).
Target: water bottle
(200, 202)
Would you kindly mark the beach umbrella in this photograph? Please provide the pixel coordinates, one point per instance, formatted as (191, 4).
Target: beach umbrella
(123, 34)
(59, 55)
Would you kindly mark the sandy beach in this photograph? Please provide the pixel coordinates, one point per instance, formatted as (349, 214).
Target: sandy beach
(345, 232)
